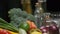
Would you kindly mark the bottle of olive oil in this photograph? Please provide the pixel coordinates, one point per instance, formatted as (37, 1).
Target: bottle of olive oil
(26, 4)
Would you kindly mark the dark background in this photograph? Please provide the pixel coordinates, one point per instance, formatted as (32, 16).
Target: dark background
(53, 6)
(5, 5)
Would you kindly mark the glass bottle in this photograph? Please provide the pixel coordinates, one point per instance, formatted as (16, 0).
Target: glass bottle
(47, 19)
(43, 4)
(38, 14)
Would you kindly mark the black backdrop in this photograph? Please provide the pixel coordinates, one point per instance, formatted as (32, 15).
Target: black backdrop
(53, 6)
(5, 5)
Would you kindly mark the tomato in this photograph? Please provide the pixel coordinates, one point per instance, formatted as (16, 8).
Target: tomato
(2, 31)
(31, 24)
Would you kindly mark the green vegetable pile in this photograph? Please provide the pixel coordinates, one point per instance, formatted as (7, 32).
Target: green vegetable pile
(18, 20)
(17, 16)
